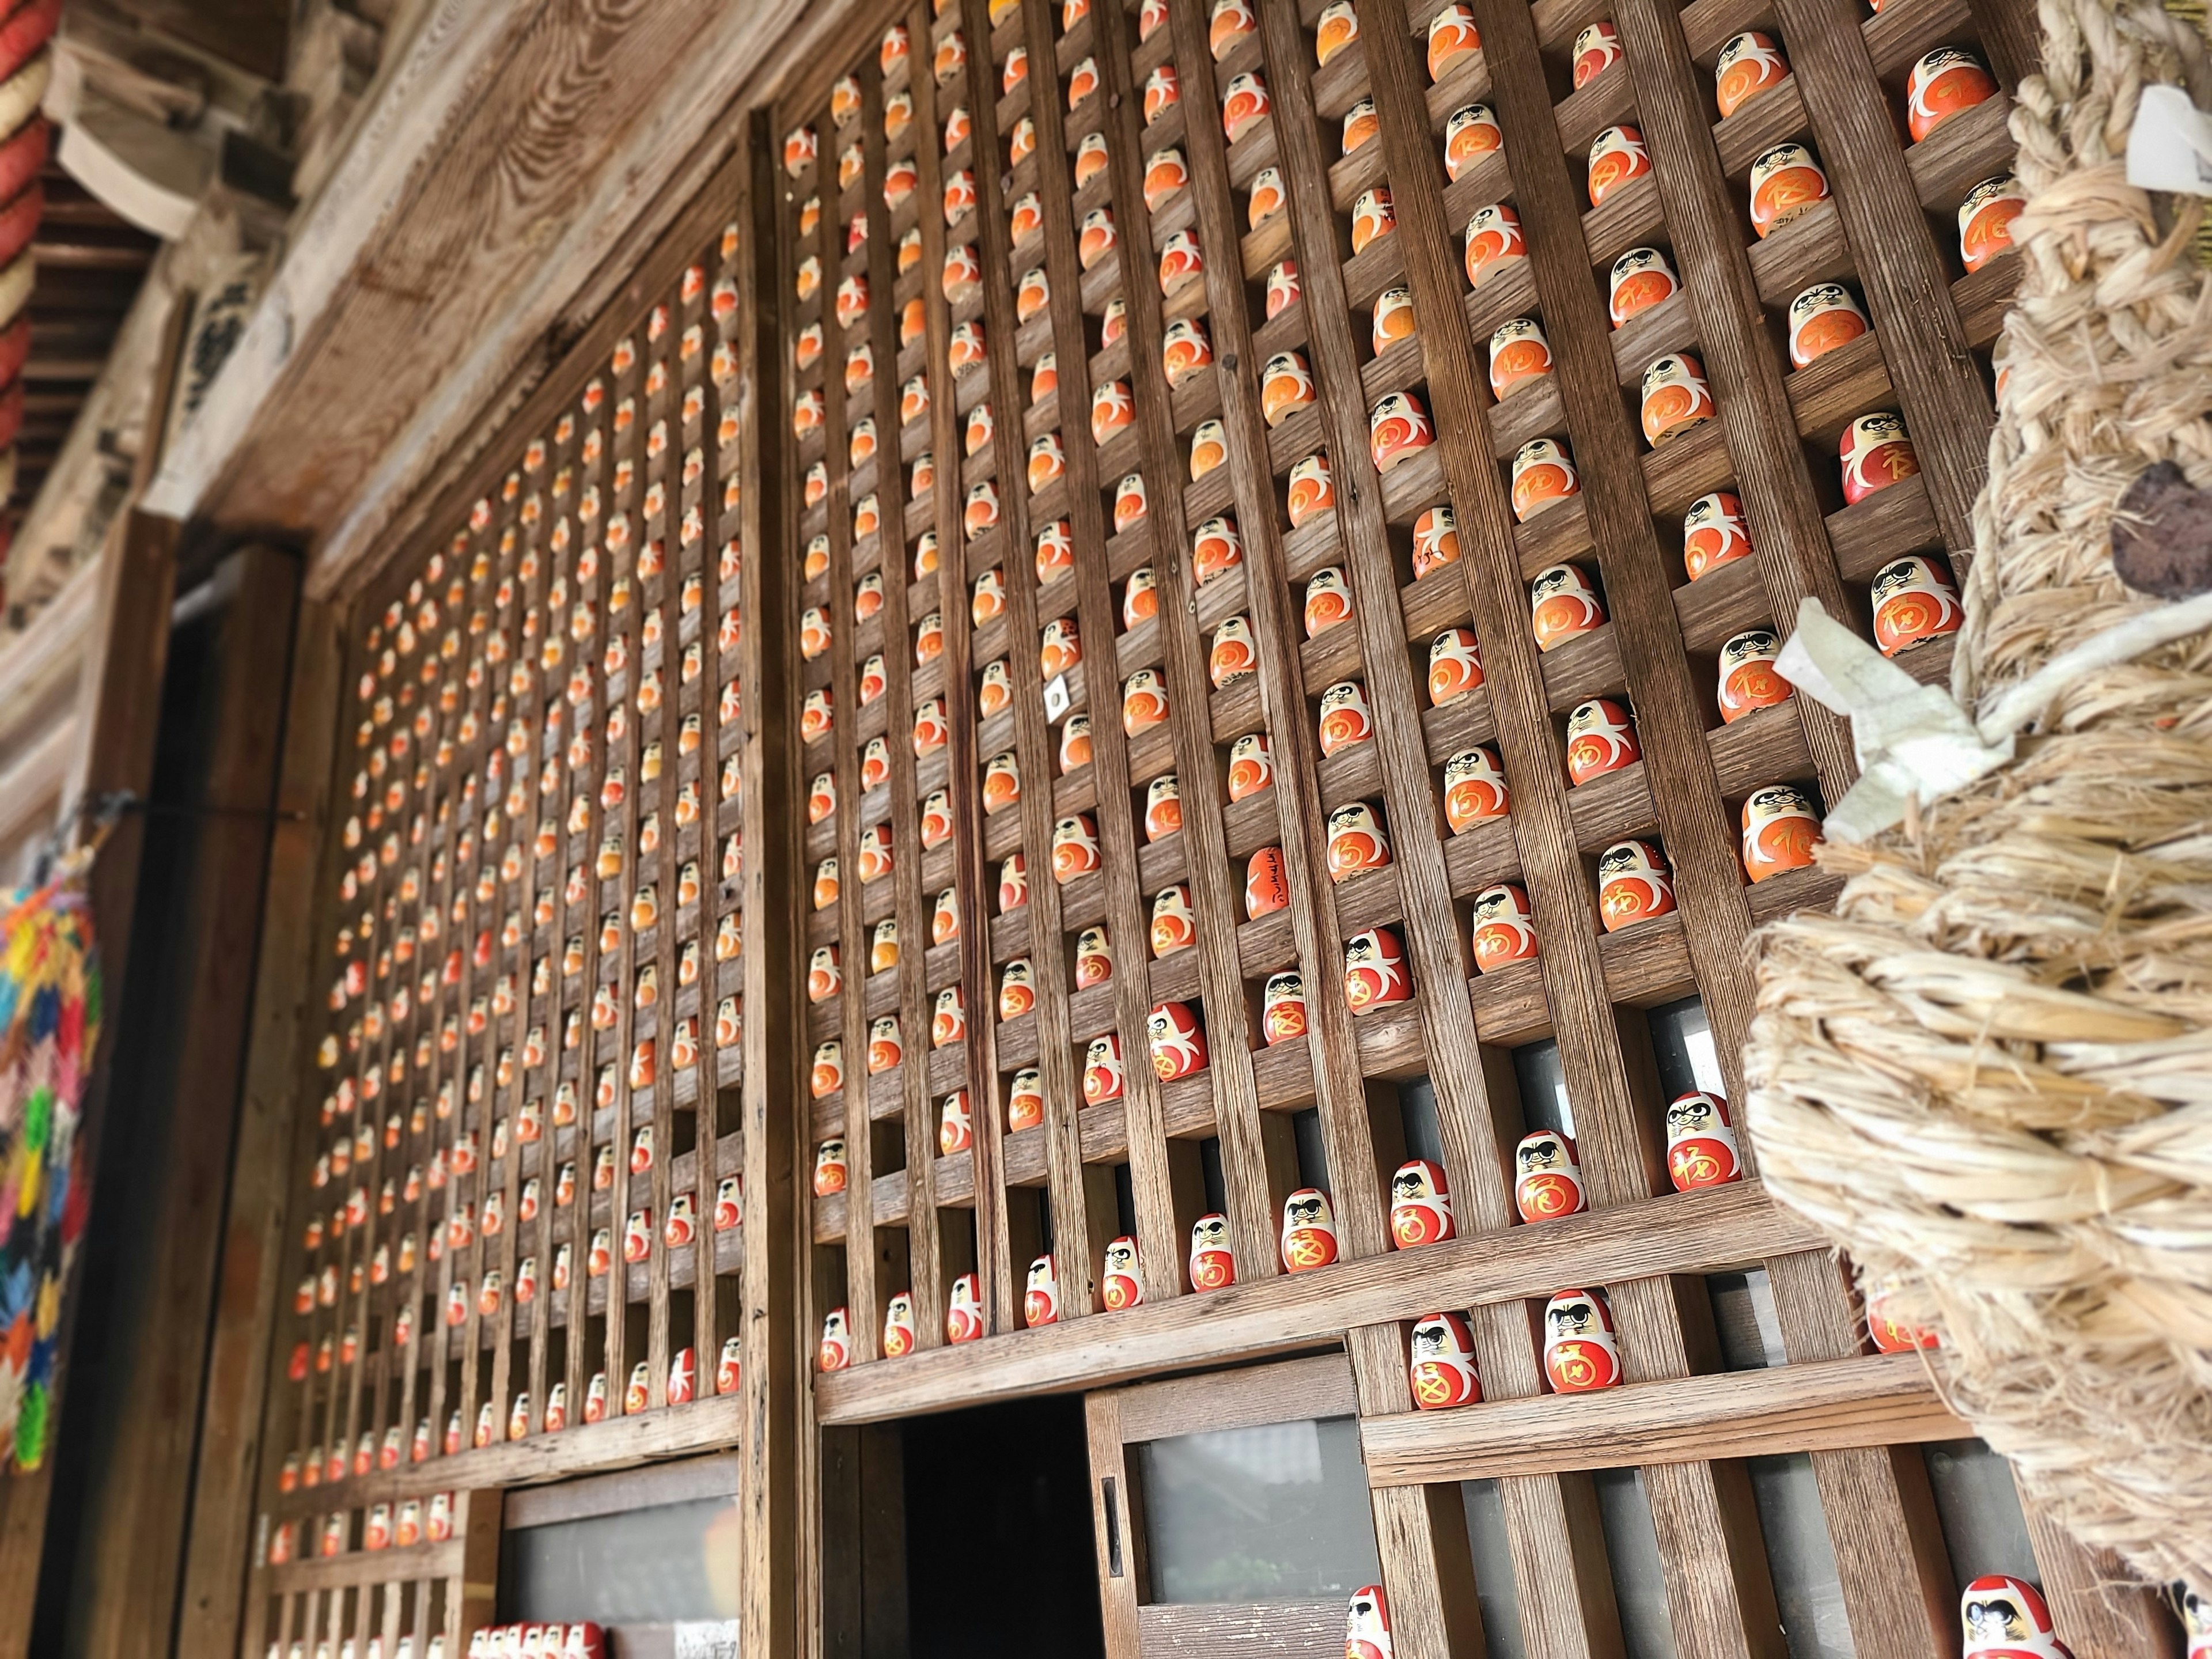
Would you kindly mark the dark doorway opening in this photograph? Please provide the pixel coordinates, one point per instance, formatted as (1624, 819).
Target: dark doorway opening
(999, 1552)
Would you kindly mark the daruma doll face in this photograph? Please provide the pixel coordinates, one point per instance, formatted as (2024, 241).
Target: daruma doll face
(1329, 601)
(1455, 666)
(1372, 217)
(1563, 606)
(1421, 1205)
(1356, 841)
(1094, 958)
(1452, 36)
(1016, 989)
(1183, 352)
(1163, 92)
(1119, 1287)
(1875, 454)
(1174, 927)
(1701, 1146)
(1232, 656)
(1504, 928)
(1285, 388)
(1209, 448)
(1640, 279)
(1074, 848)
(1675, 397)
(1337, 27)
(1165, 174)
(1102, 1069)
(1436, 540)
(1215, 547)
(1397, 431)
(1580, 1352)
(1181, 262)
(1243, 105)
(1213, 1265)
(1713, 533)
(1024, 1101)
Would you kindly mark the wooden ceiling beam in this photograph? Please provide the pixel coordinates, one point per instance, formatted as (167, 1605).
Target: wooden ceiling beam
(459, 245)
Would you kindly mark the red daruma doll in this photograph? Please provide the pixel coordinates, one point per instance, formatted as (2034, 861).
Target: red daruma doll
(1563, 606)
(1985, 219)
(1675, 397)
(1440, 1364)
(1504, 928)
(1749, 679)
(1596, 49)
(1283, 1008)
(1119, 1287)
(1785, 183)
(1600, 738)
(1944, 83)
(1780, 830)
(1421, 1205)
(1821, 319)
(1640, 279)
(1875, 454)
(1633, 885)
(1212, 1264)
(1580, 1352)
(1474, 790)
(1493, 239)
(1701, 1149)
(1471, 134)
(1178, 1040)
(835, 1352)
(1518, 353)
(1041, 1294)
(1713, 533)
(1616, 156)
(1543, 476)
(1748, 65)
(1375, 970)
(1547, 1182)
(1367, 1618)
(1308, 1237)
(963, 1310)
(1913, 600)
(2006, 1618)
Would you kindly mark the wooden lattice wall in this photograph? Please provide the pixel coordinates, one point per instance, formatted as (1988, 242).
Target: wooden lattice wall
(956, 311)
(554, 837)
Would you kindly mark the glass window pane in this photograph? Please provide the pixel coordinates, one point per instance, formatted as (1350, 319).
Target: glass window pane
(1800, 1557)
(1493, 1569)
(1980, 1511)
(648, 1566)
(1543, 1080)
(1682, 1043)
(1277, 1512)
(1743, 1315)
(1639, 1584)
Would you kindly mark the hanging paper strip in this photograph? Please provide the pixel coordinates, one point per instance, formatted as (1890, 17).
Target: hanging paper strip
(49, 1029)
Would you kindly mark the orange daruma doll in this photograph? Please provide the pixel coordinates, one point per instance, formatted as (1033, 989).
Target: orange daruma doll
(1780, 830)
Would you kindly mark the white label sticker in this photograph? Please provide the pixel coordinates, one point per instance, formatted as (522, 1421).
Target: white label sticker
(2170, 146)
(1056, 697)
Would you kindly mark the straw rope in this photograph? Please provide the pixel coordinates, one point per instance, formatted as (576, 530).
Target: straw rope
(1989, 1074)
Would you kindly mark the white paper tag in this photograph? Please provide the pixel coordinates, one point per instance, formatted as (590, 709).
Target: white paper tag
(707, 1639)
(2170, 146)
(1056, 698)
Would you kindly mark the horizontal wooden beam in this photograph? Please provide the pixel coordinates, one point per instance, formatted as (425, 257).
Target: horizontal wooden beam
(1694, 1232)
(393, 1566)
(704, 1425)
(1883, 1400)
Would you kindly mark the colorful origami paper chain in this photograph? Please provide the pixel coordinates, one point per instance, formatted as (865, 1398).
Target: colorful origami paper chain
(50, 1011)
